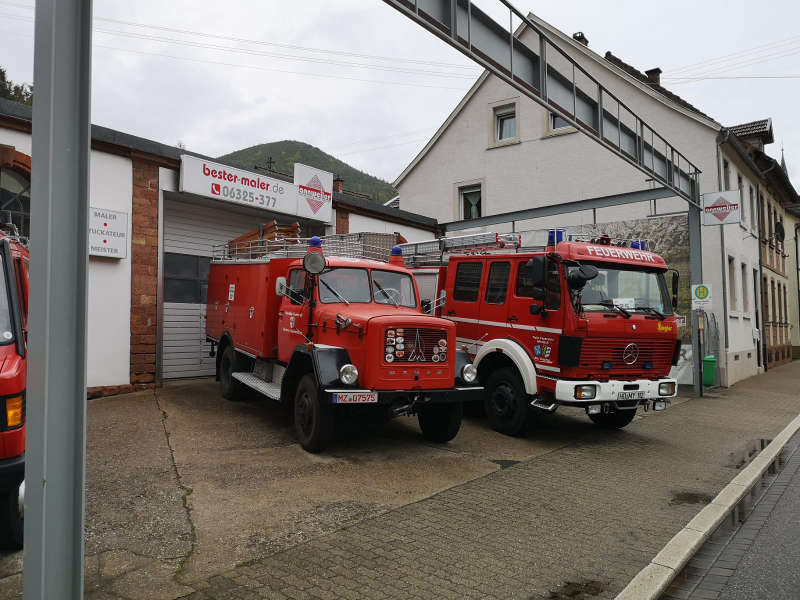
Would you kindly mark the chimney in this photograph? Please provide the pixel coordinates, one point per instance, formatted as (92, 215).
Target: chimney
(338, 185)
(654, 76)
(579, 37)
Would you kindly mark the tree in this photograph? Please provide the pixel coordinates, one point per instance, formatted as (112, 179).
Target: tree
(18, 92)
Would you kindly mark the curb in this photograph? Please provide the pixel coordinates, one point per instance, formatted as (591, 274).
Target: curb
(653, 580)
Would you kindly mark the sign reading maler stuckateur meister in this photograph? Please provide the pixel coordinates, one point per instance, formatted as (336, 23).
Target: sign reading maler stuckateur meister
(309, 196)
(108, 233)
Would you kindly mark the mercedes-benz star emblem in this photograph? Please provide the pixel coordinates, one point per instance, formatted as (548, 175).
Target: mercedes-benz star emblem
(631, 354)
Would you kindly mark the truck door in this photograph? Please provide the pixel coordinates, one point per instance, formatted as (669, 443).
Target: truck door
(293, 314)
(539, 333)
(464, 278)
(496, 318)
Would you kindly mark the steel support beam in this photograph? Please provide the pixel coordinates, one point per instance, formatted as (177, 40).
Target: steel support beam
(564, 208)
(695, 278)
(56, 395)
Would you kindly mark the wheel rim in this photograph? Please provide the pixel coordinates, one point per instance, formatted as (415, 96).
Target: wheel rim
(305, 414)
(503, 401)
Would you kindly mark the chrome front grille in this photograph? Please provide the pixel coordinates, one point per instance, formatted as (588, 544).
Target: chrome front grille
(415, 345)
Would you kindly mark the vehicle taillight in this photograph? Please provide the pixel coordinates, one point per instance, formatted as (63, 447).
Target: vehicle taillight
(14, 412)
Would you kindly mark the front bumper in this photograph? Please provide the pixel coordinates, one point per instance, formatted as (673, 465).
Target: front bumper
(12, 471)
(640, 392)
(395, 398)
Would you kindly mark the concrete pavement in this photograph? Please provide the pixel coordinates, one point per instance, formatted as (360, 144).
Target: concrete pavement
(189, 495)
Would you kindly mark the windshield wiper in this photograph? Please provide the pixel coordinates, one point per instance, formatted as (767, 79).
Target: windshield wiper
(337, 294)
(652, 310)
(610, 304)
(384, 292)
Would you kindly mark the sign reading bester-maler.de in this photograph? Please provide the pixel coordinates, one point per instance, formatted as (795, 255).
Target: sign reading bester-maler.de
(108, 233)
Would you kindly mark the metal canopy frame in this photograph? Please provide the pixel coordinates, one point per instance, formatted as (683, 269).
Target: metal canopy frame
(563, 87)
(563, 208)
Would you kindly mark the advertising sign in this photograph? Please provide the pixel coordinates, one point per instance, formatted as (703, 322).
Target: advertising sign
(721, 208)
(108, 233)
(314, 192)
(221, 182)
(701, 296)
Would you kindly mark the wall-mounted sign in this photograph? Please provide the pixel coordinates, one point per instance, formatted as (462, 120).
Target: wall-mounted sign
(721, 208)
(314, 192)
(108, 233)
(309, 196)
(701, 296)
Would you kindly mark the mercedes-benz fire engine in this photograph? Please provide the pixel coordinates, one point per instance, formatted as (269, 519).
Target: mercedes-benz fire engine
(587, 324)
(331, 334)
(14, 257)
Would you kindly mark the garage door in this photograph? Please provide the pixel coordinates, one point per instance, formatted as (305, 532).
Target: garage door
(190, 232)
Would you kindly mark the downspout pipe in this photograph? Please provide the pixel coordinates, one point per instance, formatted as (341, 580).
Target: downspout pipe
(763, 331)
(723, 257)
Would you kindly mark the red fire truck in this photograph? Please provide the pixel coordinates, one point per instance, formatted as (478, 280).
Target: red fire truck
(13, 370)
(331, 334)
(587, 324)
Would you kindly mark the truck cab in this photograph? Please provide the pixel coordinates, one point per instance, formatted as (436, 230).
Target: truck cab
(582, 324)
(14, 259)
(332, 335)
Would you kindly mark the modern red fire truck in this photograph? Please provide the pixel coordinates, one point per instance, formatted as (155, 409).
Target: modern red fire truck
(587, 324)
(14, 257)
(331, 334)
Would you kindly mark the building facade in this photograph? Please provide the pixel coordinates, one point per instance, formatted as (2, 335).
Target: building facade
(146, 304)
(499, 151)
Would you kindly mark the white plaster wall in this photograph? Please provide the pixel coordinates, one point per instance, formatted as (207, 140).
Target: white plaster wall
(20, 141)
(792, 265)
(361, 223)
(109, 349)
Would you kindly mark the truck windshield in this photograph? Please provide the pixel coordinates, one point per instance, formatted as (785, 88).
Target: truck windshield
(627, 289)
(390, 287)
(344, 285)
(6, 330)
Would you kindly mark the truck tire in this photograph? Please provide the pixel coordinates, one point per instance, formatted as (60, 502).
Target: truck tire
(506, 402)
(228, 363)
(11, 520)
(616, 419)
(313, 419)
(440, 422)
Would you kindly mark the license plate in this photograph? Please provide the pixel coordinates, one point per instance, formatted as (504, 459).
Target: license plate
(631, 395)
(355, 397)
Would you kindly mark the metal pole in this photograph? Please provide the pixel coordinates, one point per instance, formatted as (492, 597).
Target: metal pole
(695, 278)
(56, 395)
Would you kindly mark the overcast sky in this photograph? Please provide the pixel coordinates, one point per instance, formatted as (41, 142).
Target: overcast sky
(362, 82)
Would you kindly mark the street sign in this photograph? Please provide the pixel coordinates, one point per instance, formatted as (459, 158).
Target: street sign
(701, 296)
(721, 208)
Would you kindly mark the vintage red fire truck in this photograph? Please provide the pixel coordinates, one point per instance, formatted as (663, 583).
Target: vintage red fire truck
(587, 324)
(13, 370)
(309, 323)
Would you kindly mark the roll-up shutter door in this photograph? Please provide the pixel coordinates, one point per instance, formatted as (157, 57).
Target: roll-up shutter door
(190, 232)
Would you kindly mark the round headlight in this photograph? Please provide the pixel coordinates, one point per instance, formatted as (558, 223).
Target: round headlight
(314, 262)
(469, 373)
(348, 374)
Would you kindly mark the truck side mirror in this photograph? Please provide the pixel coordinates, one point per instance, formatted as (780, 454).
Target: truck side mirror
(536, 309)
(675, 277)
(578, 278)
(539, 292)
(280, 286)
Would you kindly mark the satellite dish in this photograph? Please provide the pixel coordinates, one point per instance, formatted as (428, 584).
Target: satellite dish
(780, 233)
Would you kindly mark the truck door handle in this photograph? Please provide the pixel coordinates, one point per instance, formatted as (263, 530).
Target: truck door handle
(513, 319)
(451, 312)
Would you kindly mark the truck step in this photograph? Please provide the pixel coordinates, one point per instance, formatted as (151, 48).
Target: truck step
(269, 389)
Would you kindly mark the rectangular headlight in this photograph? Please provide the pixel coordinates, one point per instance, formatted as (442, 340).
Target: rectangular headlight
(585, 392)
(666, 389)
(14, 411)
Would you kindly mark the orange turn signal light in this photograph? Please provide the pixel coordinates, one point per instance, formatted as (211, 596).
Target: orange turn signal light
(14, 411)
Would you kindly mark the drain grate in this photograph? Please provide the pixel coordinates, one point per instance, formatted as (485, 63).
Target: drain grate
(505, 463)
(577, 590)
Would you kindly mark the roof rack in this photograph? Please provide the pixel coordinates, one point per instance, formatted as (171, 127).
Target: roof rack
(432, 252)
(372, 246)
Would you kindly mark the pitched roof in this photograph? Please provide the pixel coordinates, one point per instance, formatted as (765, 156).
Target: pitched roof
(761, 128)
(634, 72)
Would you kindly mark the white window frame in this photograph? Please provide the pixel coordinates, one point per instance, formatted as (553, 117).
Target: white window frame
(733, 302)
(550, 130)
(499, 109)
(463, 189)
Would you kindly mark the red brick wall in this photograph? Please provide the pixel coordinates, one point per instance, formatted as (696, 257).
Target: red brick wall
(144, 275)
(342, 221)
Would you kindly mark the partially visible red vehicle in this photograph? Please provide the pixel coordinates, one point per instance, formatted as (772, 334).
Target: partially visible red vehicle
(14, 257)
